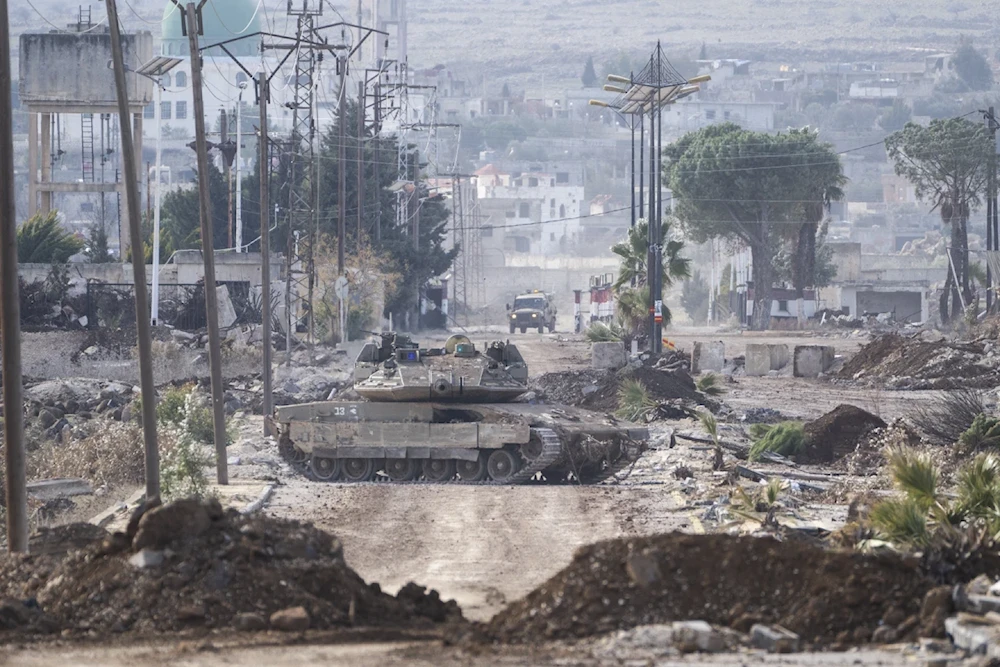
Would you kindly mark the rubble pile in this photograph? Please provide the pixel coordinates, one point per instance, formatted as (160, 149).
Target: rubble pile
(825, 597)
(837, 434)
(899, 362)
(190, 565)
(868, 456)
(666, 378)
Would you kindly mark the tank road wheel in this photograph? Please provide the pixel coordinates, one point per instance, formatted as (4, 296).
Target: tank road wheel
(325, 469)
(472, 471)
(359, 470)
(439, 470)
(402, 470)
(502, 464)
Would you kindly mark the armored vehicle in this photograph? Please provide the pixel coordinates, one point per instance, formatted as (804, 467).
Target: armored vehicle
(446, 414)
(534, 310)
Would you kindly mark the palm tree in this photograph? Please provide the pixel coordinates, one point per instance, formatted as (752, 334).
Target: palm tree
(634, 248)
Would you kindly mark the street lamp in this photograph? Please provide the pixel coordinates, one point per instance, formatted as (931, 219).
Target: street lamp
(154, 69)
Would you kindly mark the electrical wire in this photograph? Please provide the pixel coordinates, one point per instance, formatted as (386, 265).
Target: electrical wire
(247, 26)
(63, 30)
(147, 21)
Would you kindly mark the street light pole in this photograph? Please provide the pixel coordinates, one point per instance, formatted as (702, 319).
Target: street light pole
(239, 182)
(156, 206)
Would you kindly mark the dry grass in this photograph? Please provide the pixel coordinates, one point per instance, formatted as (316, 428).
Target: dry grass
(111, 456)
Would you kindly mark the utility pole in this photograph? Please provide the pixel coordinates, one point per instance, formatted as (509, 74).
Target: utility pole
(342, 164)
(239, 179)
(223, 140)
(361, 157)
(207, 246)
(148, 391)
(10, 314)
(264, 167)
(992, 242)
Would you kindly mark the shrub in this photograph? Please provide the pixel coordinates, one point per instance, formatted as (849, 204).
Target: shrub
(634, 402)
(182, 472)
(599, 332)
(710, 385)
(170, 409)
(944, 419)
(983, 434)
(784, 438)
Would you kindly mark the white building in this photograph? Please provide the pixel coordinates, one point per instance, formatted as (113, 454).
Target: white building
(536, 211)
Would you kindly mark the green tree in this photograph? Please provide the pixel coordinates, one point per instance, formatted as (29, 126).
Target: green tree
(180, 215)
(694, 298)
(946, 162)
(895, 117)
(97, 250)
(971, 66)
(379, 227)
(633, 253)
(42, 240)
(589, 77)
(747, 187)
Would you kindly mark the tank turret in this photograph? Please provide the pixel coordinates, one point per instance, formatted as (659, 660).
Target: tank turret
(396, 369)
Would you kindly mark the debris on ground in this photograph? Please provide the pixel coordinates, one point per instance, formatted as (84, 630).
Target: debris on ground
(837, 434)
(898, 362)
(189, 564)
(827, 598)
(669, 384)
(868, 457)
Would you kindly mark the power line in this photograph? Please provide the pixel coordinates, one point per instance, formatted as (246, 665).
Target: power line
(82, 32)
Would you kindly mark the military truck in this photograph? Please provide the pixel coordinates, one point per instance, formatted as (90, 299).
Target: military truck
(446, 414)
(532, 310)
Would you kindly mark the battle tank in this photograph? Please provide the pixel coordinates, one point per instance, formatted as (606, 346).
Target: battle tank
(446, 414)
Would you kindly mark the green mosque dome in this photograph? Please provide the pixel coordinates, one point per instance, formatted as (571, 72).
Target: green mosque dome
(222, 20)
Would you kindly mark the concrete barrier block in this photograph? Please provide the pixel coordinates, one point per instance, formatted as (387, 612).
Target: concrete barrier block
(761, 358)
(607, 356)
(811, 360)
(710, 356)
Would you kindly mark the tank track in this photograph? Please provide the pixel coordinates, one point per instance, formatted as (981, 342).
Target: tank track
(550, 455)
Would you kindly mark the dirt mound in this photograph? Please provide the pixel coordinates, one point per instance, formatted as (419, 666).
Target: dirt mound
(824, 596)
(912, 363)
(837, 433)
(191, 565)
(598, 390)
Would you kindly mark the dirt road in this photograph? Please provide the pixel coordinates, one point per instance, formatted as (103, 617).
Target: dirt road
(481, 545)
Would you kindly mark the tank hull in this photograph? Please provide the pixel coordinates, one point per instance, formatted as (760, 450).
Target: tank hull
(506, 443)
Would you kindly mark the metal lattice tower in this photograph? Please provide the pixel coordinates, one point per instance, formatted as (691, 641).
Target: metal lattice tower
(467, 271)
(300, 273)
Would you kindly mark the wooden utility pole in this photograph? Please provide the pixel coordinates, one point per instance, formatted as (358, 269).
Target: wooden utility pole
(341, 164)
(361, 159)
(207, 249)
(264, 168)
(142, 325)
(10, 314)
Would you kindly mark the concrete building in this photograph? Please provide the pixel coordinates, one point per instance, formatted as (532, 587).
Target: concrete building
(66, 75)
(534, 210)
(687, 116)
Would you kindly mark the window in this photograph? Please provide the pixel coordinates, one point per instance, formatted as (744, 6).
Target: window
(562, 177)
(522, 244)
(166, 80)
(486, 231)
(181, 79)
(725, 114)
(182, 110)
(241, 77)
(165, 110)
(149, 111)
(709, 114)
(782, 306)
(524, 210)
(552, 236)
(511, 214)
(532, 182)
(87, 207)
(552, 202)
(562, 210)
